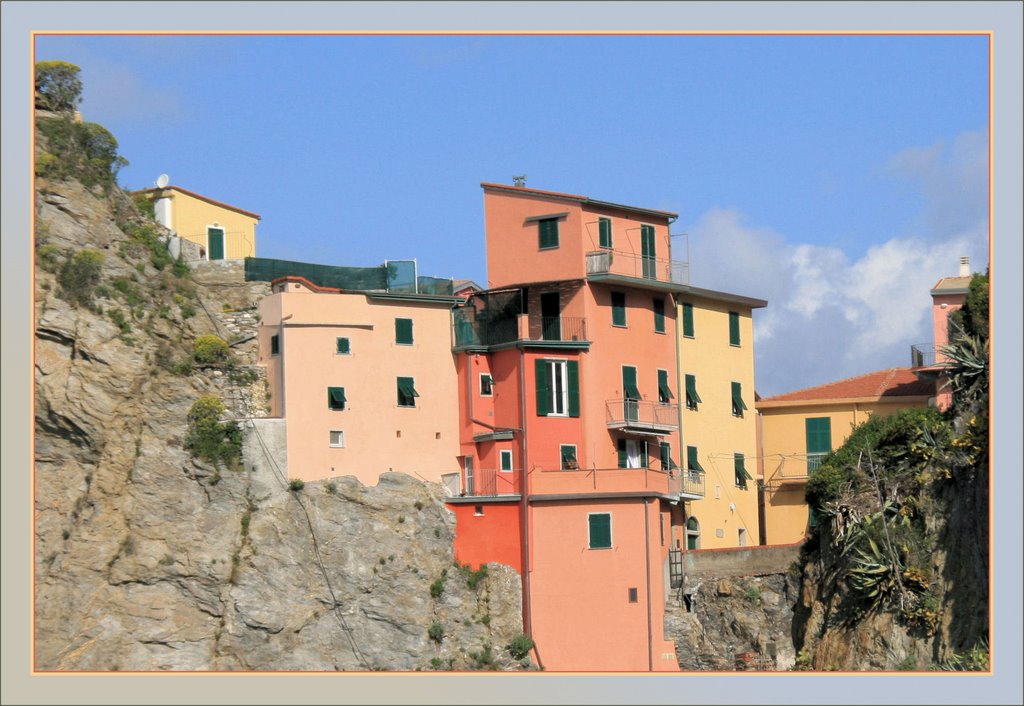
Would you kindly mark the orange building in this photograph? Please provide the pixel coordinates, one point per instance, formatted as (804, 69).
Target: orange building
(570, 424)
(797, 430)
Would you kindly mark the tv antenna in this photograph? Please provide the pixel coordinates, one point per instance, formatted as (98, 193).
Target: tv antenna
(519, 180)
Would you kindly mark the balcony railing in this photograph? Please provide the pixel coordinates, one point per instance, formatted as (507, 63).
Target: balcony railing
(922, 355)
(687, 484)
(813, 461)
(640, 415)
(490, 483)
(616, 480)
(628, 264)
(518, 327)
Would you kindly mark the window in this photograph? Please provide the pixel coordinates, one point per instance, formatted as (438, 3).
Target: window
(819, 440)
(618, 308)
(647, 252)
(691, 459)
(558, 388)
(688, 320)
(692, 398)
(664, 391)
(633, 594)
(337, 439)
(486, 381)
(659, 315)
(692, 533)
(632, 453)
(403, 331)
(342, 346)
(737, 400)
(547, 231)
(734, 328)
(505, 457)
(741, 537)
(407, 392)
(604, 227)
(600, 525)
(275, 344)
(741, 472)
(336, 398)
(567, 452)
(667, 464)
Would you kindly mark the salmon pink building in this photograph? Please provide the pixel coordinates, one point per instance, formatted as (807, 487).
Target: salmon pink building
(570, 435)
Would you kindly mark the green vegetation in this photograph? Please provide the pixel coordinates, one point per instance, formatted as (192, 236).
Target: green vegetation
(473, 578)
(145, 238)
(437, 588)
(209, 438)
(48, 258)
(296, 484)
(211, 350)
(83, 151)
(975, 659)
(436, 631)
(484, 659)
(58, 87)
(520, 646)
(79, 276)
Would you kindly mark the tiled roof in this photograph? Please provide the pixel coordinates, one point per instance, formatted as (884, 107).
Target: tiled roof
(952, 285)
(487, 186)
(888, 383)
(207, 199)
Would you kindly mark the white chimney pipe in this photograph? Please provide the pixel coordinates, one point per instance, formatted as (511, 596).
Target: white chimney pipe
(965, 266)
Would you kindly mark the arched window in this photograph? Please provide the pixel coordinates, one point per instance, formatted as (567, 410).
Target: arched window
(692, 533)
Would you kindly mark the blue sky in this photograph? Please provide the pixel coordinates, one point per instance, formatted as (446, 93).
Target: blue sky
(837, 177)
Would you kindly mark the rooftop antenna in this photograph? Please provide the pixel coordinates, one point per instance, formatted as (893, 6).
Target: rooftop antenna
(519, 180)
(162, 181)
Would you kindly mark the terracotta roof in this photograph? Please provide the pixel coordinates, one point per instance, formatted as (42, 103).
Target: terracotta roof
(952, 285)
(194, 195)
(576, 197)
(888, 383)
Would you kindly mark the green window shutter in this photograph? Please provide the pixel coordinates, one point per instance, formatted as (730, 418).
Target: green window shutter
(659, 315)
(573, 374)
(403, 331)
(407, 392)
(692, 398)
(688, 320)
(622, 453)
(618, 309)
(336, 398)
(543, 388)
(819, 434)
(343, 346)
(644, 461)
(604, 226)
(547, 230)
(664, 391)
(600, 530)
(741, 472)
(691, 459)
(629, 388)
(737, 400)
(734, 328)
(666, 456)
(275, 344)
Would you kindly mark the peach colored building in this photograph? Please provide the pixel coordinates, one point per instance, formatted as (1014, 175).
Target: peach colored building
(223, 232)
(570, 422)
(799, 428)
(365, 380)
(719, 430)
(948, 295)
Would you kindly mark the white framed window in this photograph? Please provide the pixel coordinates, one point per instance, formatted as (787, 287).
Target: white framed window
(505, 459)
(486, 384)
(337, 440)
(559, 391)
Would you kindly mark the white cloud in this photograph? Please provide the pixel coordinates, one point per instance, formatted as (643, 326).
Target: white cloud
(830, 317)
(114, 92)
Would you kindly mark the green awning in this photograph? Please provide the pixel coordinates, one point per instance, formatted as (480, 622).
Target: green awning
(405, 385)
(692, 397)
(741, 469)
(663, 388)
(737, 398)
(632, 393)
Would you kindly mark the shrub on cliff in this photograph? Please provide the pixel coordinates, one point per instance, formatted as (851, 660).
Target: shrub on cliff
(210, 439)
(211, 350)
(79, 276)
(58, 87)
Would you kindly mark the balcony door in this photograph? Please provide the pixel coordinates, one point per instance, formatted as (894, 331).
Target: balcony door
(630, 394)
(550, 316)
(647, 252)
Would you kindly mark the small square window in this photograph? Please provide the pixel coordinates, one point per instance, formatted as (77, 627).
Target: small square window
(342, 346)
(478, 510)
(567, 453)
(486, 384)
(633, 597)
(336, 398)
(407, 392)
(275, 344)
(337, 439)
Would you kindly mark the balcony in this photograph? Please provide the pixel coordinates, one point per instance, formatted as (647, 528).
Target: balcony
(565, 331)
(688, 485)
(618, 480)
(922, 355)
(483, 483)
(602, 263)
(642, 417)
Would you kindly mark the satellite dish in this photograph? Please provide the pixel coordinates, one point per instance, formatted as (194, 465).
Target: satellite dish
(162, 180)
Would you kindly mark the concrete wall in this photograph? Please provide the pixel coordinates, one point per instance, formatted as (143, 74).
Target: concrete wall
(750, 561)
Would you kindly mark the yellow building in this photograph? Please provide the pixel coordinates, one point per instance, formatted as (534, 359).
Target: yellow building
(798, 428)
(221, 231)
(718, 433)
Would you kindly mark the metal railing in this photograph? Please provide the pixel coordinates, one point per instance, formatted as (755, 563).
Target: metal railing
(628, 264)
(557, 328)
(687, 483)
(813, 461)
(520, 327)
(641, 414)
(922, 355)
(491, 482)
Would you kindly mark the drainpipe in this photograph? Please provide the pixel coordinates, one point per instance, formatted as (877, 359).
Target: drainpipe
(647, 556)
(680, 401)
(524, 515)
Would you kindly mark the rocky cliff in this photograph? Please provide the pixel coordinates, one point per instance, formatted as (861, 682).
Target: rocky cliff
(149, 559)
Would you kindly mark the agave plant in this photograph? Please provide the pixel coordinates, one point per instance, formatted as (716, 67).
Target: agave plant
(968, 373)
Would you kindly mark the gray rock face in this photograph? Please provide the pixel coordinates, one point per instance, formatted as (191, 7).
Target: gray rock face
(147, 559)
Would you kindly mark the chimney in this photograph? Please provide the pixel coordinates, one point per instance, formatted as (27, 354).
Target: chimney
(965, 266)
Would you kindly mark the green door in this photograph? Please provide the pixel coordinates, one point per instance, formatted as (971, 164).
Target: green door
(215, 238)
(630, 393)
(647, 252)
